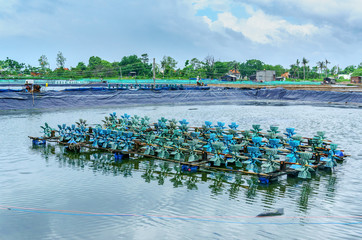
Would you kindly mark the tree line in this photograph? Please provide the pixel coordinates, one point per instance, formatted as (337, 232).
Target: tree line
(141, 67)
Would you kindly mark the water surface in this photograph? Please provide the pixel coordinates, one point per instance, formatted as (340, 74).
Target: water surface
(169, 205)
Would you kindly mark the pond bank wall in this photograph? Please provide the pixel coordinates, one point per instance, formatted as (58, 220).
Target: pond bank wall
(92, 98)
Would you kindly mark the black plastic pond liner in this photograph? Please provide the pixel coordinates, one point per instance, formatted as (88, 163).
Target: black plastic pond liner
(90, 98)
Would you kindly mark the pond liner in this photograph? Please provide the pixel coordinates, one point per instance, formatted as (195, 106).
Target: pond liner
(11, 90)
(100, 97)
(86, 89)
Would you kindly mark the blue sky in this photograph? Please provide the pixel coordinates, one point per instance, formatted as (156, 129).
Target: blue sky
(274, 31)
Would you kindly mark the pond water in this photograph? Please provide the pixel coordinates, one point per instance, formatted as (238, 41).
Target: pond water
(46, 194)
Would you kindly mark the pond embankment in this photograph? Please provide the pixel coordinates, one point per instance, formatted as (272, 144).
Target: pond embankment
(101, 97)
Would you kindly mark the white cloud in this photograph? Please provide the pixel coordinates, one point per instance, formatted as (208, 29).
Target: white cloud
(218, 5)
(332, 12)
(272, 31)
(327, 7)
(346, 12)
(261, 28)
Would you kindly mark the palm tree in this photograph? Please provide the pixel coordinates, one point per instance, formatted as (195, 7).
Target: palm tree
(297, 66)
(334, 70)
(320, 65)
(304, 62)
(326, 67)
(292, 69)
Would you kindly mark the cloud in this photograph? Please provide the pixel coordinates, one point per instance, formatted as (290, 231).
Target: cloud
(261, 28)
(284, 29)
(218, 5)
(273, 31)
(346, 13)
(110, 29)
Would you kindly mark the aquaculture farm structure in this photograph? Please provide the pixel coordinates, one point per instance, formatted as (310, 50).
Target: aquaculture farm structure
(266, 155)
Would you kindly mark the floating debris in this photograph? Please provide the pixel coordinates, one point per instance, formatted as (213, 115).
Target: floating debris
(276, 212)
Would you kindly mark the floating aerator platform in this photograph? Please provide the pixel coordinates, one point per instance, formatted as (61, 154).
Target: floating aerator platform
(267, 154)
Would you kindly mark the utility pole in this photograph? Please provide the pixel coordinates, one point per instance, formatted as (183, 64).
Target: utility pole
(120, 72)
(154, 73)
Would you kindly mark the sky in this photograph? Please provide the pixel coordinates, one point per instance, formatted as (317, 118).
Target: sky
(273, 31)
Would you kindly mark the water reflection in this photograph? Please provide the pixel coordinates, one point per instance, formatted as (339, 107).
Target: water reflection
(217, 185)
(235, 187)
(163, 173)
(305, 195)
(153, 170)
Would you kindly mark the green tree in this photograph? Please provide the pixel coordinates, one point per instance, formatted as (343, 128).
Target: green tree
(11, 67)
(195, 63)
(304, 62)
(333, 70)
(94, 61)
(133, 63)
(81, 66)
(279, 69)
(43, 62)
(209, 64)
(297, 66)
(101, 68)
(326, 66)
(144, 58)
(349, 69)
(168, 65)
(293, 70)
(250, 67)
(320, 65)
(60, 60)
(357, 72)
(221, 68)
(95, 66)
(80, 71)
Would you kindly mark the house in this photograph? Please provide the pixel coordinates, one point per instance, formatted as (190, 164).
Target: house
(356, 79)
(65, 69)
(235, 73)
(265, 76)
(252, 77)
(229, 77)
(285, 75)
(34, 74)
(344, 76)
(132, 74)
